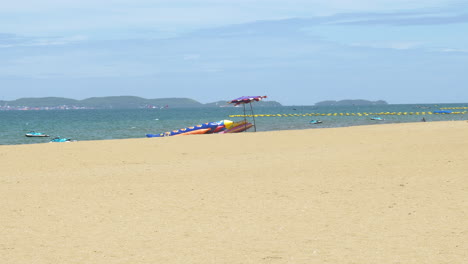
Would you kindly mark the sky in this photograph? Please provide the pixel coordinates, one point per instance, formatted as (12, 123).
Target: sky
(297, 52)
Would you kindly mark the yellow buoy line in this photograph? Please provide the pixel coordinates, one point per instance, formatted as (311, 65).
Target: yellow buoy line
(349, 114)
(459, 107)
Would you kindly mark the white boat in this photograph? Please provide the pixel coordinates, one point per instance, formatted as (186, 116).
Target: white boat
(36, 134)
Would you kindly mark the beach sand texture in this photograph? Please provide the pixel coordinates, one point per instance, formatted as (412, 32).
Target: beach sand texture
(395, 193)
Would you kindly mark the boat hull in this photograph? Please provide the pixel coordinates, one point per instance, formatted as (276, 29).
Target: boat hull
(30, 135)
(198, 129)
(195, 132)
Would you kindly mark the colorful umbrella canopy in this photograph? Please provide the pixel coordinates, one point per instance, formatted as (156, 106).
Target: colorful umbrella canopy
(246, 99)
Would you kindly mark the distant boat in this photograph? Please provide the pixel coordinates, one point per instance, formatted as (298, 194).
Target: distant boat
(315, 122)
(36, 134)
(423, 107)
(377, 118)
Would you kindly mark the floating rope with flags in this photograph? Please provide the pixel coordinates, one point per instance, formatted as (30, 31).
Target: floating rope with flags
(353, 114)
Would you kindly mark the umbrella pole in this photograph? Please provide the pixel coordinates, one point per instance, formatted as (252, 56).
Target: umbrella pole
(245, 118)
(253, 118)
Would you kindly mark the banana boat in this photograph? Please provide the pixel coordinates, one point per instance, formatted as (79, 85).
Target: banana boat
(205, 128)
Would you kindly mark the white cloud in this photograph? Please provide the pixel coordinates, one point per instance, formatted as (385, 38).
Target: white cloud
(451, 50)
(399, 45)
(28, 5)
(17, 41)
(192, 57)
(56, 41)
(75, 65)
(60, 16)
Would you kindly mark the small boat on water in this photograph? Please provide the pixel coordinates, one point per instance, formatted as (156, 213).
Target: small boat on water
(59, 139)
(377, 118)
(315, 122)
(36, 134)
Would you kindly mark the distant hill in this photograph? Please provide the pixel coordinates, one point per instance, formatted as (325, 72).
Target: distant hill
(119, 102)
(350, 102)
(113, 102)
(137, 102)
(175, 102)
(42, 102)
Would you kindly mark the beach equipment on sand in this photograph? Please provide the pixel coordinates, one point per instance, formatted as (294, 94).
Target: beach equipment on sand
(195, 132)
(205, 128)
(247, 100)
(237, 127)
(219, 127)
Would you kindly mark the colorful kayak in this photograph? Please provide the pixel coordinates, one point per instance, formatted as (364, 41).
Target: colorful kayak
(195, 132)
(238, 127)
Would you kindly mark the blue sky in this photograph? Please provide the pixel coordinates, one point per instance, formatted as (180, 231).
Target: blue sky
(297, 52)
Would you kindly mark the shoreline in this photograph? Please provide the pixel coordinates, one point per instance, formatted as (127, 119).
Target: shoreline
(386, 193)
(266, 131)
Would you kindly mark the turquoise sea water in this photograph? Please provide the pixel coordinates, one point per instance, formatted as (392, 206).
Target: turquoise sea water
(136, 123)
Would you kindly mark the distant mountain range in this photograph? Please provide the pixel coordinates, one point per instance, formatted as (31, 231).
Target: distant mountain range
(118, 102)
(350, 102)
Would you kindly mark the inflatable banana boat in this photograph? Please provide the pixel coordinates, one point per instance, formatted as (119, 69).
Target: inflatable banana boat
(206, 128)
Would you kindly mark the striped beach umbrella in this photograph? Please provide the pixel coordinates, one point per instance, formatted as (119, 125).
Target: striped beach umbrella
(248, 100)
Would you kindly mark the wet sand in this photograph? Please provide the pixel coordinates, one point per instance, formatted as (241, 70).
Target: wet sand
(395, 193)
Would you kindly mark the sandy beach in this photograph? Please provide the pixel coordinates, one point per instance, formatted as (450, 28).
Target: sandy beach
(393, 193)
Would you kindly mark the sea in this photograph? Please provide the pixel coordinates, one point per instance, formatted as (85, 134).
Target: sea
(108, 124)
